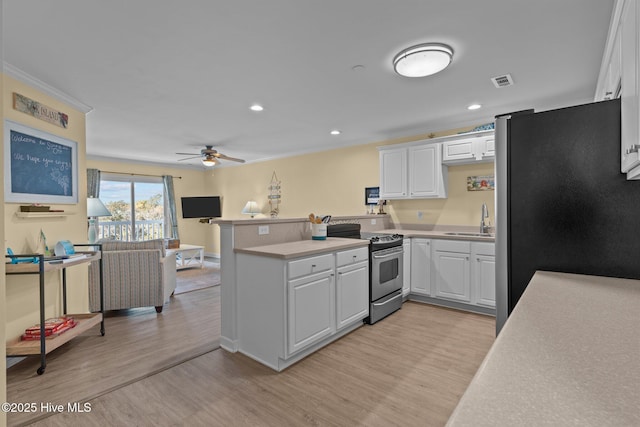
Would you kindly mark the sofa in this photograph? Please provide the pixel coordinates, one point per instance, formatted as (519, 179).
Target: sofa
(135, 274)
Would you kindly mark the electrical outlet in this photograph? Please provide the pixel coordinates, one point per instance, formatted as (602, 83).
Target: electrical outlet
(373, 222)
(263, 229)
(420, 214)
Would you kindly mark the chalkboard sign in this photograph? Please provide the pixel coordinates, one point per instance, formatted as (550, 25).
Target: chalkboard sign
(39, 167)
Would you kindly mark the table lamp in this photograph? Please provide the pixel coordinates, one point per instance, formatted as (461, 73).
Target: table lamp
(251, 208)
(95, 208)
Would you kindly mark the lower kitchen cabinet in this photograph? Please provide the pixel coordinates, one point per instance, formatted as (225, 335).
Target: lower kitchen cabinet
(352, 293)
(311, 310)
(420, 266)
(451, 273)
(287, 309)
(484, 273)
(456, 273)
(406, 267)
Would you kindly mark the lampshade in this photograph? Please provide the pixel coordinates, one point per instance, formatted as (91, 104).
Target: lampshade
(251, 208)
(95, 207)
(423, 60)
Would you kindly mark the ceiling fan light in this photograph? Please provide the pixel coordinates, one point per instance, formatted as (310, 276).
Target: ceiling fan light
(209, 161)
(423, 60)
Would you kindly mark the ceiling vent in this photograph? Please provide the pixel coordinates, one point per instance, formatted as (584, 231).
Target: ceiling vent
(502, 81)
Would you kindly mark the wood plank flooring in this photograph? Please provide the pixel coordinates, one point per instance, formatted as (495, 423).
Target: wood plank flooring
(408, 370)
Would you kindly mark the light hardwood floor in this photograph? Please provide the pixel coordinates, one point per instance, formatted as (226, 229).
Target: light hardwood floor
(408, 370)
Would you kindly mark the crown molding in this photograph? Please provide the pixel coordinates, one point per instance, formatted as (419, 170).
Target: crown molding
(20, 75)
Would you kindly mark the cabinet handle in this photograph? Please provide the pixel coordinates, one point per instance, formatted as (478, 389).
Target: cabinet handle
(313, 266)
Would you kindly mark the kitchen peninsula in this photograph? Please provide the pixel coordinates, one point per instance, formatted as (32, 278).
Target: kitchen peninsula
(283, 248)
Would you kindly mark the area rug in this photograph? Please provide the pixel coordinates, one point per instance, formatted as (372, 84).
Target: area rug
(193, 279)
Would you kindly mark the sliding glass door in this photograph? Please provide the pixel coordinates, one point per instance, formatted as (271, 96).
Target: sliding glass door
(137, 207)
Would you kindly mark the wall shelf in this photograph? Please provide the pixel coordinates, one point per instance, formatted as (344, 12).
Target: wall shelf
(42, 214)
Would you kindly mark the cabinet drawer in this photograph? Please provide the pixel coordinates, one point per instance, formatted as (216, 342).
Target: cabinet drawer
(463, 247)
(482, 248)
(352, 256)
(305, 266)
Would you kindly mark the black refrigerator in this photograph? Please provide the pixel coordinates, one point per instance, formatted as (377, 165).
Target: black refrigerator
(562, 203)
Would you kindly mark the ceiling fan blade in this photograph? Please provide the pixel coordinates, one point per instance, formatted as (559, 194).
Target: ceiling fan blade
(189, 158)
(189, 154)
(233, 159)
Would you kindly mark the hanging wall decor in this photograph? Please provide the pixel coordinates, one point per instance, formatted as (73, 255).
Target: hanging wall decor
(480, 183)
(274, 195)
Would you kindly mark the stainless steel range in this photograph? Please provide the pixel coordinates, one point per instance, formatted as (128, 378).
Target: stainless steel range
(385, 275)
(385, 268)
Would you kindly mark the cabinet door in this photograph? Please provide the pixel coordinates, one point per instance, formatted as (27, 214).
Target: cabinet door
(630, 121)
(425, 171)
(461, 149)
(406, 267)
(487, 148)
(421, 266)
(485, 280)
(393, 174)
(311, 310)
(451, 275)
(352, 291)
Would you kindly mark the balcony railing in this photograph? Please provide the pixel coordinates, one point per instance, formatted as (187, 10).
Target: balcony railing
(123, 230)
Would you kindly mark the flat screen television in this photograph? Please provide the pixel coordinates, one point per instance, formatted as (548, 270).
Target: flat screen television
(201, 207)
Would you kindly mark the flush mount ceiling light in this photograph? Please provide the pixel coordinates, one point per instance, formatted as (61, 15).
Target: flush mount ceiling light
(474, 107)
(256, 107)
(423, 60)
(335, 132)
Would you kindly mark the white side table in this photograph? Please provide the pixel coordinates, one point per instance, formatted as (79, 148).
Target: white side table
(188, 256)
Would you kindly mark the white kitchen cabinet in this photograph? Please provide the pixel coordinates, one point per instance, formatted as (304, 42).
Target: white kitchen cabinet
(425, 172)
(393, 173)
(311, 310)
(352, 286)
(289, 308)
(483, 274)
(406, 267)
(451, 272)
(465, 150)
(619, 78)
(420, 266)
(352, 292)
(629, 99)
(412, 171)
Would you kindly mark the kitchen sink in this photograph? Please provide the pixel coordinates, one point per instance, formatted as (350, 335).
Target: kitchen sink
(470, 234)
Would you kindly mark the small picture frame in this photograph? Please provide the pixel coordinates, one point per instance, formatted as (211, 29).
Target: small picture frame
(481, 183)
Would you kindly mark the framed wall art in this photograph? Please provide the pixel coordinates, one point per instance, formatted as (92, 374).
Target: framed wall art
(39, 167)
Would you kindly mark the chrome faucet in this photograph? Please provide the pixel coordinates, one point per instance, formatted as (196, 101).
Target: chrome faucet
(484, 226)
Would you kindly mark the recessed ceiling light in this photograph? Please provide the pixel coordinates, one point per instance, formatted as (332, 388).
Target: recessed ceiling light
(256, 107)
(335, 132)
(423, 60)
(474, 107)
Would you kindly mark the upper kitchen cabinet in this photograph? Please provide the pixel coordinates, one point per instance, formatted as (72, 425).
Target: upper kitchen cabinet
(619, 79)
(412, 171)
(479, 147)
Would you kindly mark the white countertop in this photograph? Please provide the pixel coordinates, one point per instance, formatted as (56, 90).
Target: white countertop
(303, 247)
(569, 354)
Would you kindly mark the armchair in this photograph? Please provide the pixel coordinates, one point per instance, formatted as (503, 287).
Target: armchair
(135, 274)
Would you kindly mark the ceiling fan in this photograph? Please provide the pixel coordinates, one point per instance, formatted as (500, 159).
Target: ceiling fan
(209, 156)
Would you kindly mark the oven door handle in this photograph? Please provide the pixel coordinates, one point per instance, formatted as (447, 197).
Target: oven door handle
(387, 301)
(388, 254)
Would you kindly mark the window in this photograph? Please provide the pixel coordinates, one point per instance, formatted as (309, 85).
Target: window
(137, 207)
